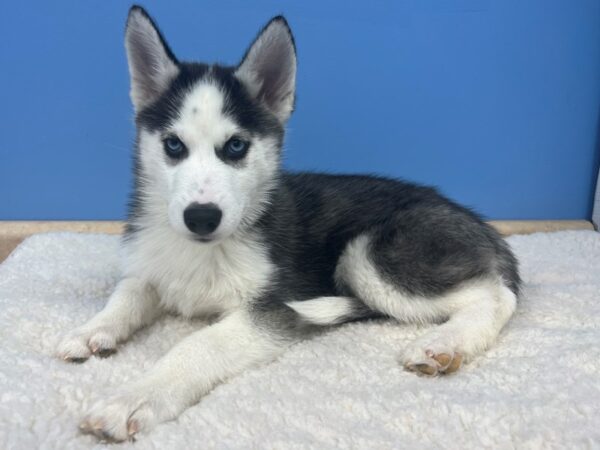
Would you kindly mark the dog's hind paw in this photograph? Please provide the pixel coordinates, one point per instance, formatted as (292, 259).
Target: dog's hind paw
(79, 345)
(431, 356)
(435, 364)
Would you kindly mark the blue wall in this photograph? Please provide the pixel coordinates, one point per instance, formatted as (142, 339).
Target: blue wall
(496, 102)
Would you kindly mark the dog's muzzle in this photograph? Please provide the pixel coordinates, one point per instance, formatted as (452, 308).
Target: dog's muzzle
(202, 219)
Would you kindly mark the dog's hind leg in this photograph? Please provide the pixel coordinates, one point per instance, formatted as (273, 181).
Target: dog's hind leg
(473, 312)
(481, 309)
(132, 305)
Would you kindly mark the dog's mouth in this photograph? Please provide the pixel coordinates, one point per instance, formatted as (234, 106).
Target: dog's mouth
(204, 240)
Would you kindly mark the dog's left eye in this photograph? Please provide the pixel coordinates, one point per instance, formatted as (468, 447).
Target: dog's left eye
(236, 148)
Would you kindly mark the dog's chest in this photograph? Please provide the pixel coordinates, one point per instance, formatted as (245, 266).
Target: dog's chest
(195, 279)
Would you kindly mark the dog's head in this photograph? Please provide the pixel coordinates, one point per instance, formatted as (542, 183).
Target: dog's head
(209, 137)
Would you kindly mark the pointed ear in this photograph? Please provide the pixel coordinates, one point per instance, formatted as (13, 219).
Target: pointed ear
(152, 65)
(269, 68)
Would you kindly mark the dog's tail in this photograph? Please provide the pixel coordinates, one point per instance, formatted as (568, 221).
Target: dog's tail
(332, 310)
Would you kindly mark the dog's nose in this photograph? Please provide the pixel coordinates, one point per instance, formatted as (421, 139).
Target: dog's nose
(202, 219)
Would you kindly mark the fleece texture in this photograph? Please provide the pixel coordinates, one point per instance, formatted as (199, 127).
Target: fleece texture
(538, 387)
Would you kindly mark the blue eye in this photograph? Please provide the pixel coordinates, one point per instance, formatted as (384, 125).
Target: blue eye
(236, 148)
(174, 148)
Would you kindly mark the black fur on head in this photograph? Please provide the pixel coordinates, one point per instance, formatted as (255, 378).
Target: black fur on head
(259, 92)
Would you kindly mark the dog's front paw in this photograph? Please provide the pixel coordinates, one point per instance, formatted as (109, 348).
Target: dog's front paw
(80, 344)
(120, 417)
(138, 407)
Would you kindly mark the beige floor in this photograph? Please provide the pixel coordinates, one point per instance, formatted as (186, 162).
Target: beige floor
(13, 232)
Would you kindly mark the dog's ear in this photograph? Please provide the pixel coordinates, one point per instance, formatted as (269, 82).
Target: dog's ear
(152, 65)
(269, 68)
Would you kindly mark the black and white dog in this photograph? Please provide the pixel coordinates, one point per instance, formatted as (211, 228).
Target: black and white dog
(216, 228)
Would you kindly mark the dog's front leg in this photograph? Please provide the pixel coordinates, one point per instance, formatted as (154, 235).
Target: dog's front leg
(182, 376)
(133, 304)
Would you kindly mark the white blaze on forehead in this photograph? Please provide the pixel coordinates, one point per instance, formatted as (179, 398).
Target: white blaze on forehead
(201, 118)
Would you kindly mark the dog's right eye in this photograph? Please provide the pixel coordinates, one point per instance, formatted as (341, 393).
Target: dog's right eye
(174, 148)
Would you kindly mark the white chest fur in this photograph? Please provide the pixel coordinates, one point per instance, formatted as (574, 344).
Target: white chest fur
(194, 279)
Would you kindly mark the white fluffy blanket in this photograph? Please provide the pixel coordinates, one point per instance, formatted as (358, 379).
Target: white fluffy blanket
(539, 387)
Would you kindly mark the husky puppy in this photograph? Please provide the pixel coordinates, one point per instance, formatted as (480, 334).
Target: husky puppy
(217, 228)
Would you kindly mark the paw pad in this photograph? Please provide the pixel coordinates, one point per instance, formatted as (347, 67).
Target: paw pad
(75, 360)
(104, 352)
(436, 364)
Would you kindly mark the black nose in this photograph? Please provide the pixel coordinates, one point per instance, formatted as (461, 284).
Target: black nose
(202, 219)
